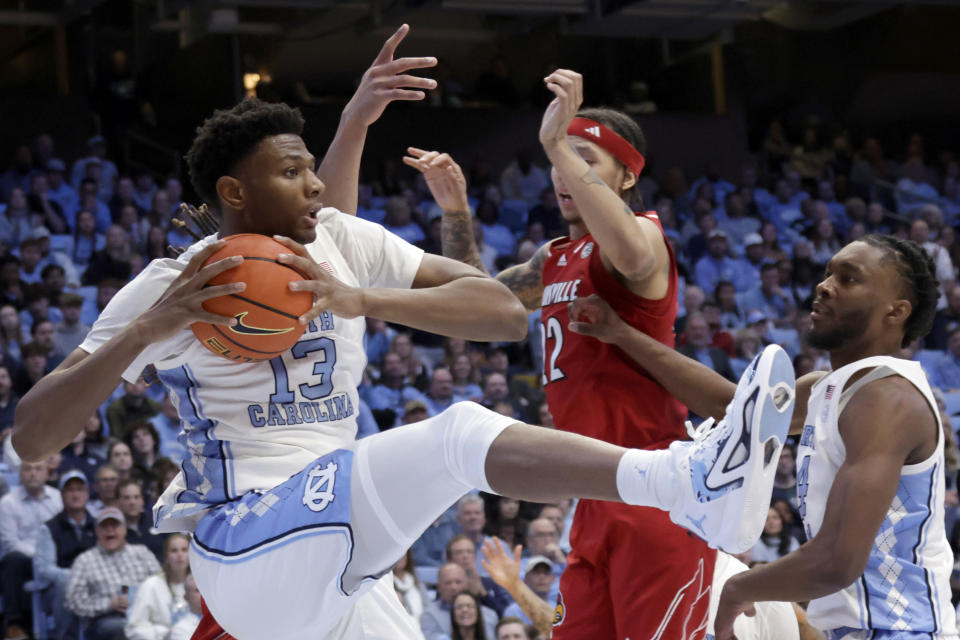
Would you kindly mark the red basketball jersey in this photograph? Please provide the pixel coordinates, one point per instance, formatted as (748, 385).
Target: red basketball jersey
(594, 388)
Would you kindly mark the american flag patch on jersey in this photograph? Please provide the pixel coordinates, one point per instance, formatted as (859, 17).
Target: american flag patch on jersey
(829, 393)
(323, 264)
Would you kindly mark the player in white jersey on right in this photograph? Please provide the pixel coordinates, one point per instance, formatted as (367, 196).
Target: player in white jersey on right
(870, 469)
(296, 523)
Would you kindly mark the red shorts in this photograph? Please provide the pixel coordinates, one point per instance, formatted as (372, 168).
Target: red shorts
(633, 574)
(208, 628)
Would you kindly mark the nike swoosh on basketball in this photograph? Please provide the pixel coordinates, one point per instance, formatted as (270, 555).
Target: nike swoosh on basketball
(246, 329)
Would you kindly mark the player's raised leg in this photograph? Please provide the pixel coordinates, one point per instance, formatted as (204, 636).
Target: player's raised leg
(711, 486)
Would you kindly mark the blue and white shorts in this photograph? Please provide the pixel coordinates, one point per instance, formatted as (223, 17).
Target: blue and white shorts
(271, 564)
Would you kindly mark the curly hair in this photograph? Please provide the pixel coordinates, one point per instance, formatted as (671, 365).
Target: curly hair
(229, 135)
(919, 279)
(627, 128)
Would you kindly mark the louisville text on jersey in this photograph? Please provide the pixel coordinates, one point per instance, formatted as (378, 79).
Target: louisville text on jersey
(560, 292)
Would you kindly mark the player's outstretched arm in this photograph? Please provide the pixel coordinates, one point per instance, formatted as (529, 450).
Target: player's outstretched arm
(449, 189)
(700, 388)
(448, 186)
(53, 411)
(447, 297)
(635, 247)
(877, 446)
(504, 569)
(385, 81)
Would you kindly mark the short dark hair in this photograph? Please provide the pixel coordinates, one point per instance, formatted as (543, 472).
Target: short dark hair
(32, 349)
(455, 539)
(769, 266)
(50, 268)
(229, 135)
(919, 279)
(628, 129)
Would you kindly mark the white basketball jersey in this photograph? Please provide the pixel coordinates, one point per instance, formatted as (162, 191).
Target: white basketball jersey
(905, 586)
(253, 425)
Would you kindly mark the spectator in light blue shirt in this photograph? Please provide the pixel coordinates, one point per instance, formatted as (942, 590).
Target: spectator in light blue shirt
(399, 220)
(716, 265)
(391, 392)
(495, 234)
(440, 395)
(748, 267)
(912, 190)
(58, 189)
(768, 297)
(946, 371)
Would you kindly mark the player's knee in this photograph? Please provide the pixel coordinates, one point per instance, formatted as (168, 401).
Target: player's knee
(467, 429)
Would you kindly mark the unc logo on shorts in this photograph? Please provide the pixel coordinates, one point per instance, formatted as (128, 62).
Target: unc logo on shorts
(318, 491)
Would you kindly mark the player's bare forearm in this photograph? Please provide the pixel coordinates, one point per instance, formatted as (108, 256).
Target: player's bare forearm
(55, 409)
(537, 609)
(340, 169)
(457, 239)
(526, 280)
(700, 388)
(802, 575)
(471, 308)
(610, 220)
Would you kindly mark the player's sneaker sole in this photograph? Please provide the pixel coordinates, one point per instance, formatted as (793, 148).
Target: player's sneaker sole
(732, 465)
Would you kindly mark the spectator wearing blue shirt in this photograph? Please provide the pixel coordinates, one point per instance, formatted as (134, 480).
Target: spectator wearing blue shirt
(89, 202)
(946, 370)
(18, 176)
(399, 220)
(698, 346)
(440, 395)
(716, 265)
(784, 210)
(98, 156)
(748, 267)
(463, 385)
(539, 576)
(495, 235)
(58, 189)
(912, 189)
(735, 221)
(391, 393)
(731, 315)
(377, 339)
(769, 297)
(838, 212)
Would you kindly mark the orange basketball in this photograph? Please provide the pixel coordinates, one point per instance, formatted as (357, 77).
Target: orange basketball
(266, 311)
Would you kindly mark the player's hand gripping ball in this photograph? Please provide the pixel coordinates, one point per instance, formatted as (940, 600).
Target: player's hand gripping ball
(266, 312)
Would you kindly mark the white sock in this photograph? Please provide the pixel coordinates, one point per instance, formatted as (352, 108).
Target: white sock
(647, 479)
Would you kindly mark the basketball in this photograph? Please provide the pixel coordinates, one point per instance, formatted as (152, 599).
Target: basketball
(266, 311)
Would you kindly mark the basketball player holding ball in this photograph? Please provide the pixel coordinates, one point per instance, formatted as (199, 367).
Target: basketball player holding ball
(296, 524)
(631, 573)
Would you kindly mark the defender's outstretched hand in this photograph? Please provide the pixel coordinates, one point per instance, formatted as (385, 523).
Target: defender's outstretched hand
(444, 177)
(182, 303)
(567, 86)
(387, 80)
(329, 293)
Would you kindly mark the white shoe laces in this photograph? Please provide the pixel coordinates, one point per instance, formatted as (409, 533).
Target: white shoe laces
(698, 432)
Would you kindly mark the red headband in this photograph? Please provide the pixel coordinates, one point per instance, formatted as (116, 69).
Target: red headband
(609, 140)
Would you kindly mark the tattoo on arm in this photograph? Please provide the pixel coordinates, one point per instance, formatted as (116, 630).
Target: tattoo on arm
(591, 177)
(539, 611)
(526, 280)
(457, 239)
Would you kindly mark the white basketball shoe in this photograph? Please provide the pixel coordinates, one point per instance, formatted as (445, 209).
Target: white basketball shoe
(727, 471)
